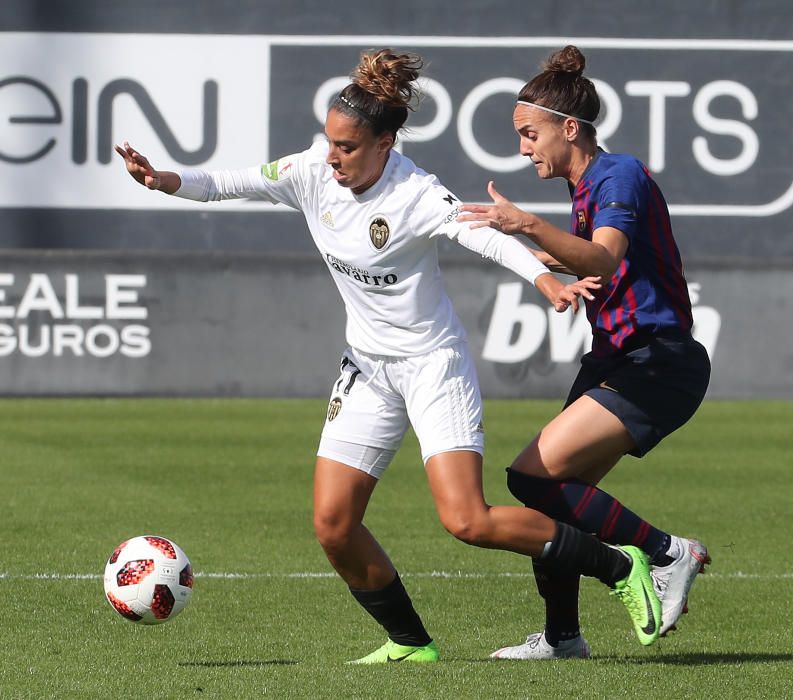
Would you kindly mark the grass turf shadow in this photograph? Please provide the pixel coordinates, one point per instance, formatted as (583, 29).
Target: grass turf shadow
(239, 663)
(702, 658)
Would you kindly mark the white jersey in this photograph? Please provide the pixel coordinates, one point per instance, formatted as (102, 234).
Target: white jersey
(381, 246)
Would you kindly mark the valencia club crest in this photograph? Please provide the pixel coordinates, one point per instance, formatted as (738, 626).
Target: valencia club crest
(379, 232)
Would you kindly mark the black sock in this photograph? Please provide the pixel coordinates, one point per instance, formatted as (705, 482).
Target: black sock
(392, 608)
(560, 593)
(661, 558)
(574, 552)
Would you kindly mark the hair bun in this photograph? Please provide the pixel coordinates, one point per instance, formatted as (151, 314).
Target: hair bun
(389, 77)
(566, 60)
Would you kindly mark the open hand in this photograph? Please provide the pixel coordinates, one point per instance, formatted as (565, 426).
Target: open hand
(568, 295)
(502, 215)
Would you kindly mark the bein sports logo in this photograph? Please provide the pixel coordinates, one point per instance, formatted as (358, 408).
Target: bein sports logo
(36, 322)
(695, 110)
(80, 110)
(518, 330)
(701, 113)
(60, 118)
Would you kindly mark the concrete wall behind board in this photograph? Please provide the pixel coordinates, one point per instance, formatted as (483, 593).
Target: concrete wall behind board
(102, 323)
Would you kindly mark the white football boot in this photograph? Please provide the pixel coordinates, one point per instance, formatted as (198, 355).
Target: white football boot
(536, 648)
(673, 582)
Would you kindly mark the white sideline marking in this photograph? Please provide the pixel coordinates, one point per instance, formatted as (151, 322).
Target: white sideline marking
(461, 575)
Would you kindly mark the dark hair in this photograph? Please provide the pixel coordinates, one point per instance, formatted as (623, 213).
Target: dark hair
(382, 90)
(563, 87)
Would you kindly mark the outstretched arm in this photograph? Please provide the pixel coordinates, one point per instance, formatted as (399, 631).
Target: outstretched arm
(599, 257)
(512, 254)
(210, 185)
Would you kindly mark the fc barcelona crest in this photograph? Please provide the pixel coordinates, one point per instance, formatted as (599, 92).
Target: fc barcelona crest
(333, 408)
(581, 221)
(379, 232)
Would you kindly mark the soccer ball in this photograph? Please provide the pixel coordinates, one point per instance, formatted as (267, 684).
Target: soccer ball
(148, 579)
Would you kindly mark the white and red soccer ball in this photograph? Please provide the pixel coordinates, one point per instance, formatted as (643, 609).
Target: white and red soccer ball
(148, 579)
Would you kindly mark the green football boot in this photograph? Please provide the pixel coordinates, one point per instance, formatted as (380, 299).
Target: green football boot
(639, 597)
(391, 652)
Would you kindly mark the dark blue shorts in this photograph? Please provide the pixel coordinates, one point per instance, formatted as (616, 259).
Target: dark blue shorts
(653, 389)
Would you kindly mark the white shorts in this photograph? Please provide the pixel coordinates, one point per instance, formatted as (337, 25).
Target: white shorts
(376, 398)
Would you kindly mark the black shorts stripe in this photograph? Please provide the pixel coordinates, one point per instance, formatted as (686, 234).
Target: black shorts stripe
(353, 377)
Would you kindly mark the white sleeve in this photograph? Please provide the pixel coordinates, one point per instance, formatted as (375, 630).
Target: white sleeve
(435, 214)
(505, 250)
(278, 182)
(215, 185)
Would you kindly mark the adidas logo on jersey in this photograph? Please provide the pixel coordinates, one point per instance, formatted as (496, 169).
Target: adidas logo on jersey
(327, 219)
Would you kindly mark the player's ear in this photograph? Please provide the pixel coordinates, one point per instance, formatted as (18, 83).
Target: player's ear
(385, 141)
(571, 129)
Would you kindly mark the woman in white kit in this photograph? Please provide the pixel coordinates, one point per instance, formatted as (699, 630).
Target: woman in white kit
(376, 218)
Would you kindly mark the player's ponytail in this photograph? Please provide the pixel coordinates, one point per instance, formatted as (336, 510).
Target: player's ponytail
(382, 90)
(562, 87)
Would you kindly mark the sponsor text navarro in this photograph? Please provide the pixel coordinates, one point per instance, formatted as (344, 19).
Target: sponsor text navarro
(360, 275)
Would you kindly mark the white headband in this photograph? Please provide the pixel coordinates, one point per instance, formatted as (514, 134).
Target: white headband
(553, 111)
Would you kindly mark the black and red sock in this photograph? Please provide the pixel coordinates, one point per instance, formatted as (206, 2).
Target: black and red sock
(590, 509)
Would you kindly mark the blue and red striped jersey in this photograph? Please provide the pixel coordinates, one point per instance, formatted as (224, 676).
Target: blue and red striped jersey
(648, 293)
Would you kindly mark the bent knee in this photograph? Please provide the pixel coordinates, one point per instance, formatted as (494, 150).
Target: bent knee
(332, 532)
(547, 468)
(549, 462)
(471, 528)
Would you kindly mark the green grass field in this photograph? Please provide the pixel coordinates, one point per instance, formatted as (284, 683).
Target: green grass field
(230, 481)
